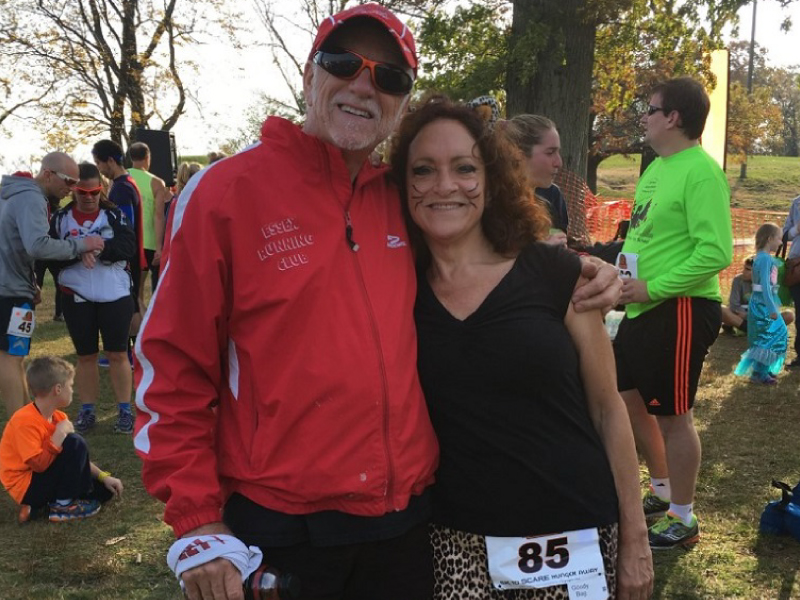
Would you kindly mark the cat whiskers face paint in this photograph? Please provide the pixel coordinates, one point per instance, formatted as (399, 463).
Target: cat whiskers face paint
(474, 193)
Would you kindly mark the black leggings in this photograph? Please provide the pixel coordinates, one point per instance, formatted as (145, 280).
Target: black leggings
(40, 268)
(88, 320)
(67, 478)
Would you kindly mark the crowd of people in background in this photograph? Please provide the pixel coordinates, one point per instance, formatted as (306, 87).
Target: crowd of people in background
(389, 381)
(98, 247)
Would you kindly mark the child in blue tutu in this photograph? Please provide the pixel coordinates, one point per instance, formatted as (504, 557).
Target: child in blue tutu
(766, 331)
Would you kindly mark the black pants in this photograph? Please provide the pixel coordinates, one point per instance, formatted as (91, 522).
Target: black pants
(40, 268)
(68, 477)
(399, 568)
(154, 269)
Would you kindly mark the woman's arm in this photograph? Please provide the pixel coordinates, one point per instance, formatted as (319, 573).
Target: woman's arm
(123, 245)
(610, 417)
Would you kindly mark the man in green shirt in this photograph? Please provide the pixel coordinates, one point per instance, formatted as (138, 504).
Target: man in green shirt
(155, 195)
(679, 239)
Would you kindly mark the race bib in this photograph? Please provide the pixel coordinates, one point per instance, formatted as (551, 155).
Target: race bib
(627, 265)
(572, 558)
(21, 323)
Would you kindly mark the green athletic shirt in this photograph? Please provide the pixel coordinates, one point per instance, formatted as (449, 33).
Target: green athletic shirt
(143, 181)
(681, 228)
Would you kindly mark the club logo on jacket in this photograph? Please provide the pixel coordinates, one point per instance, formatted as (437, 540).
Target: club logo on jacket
(284, 243)
(394, 241)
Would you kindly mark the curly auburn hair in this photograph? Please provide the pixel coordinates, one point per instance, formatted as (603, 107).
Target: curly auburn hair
(511, 218)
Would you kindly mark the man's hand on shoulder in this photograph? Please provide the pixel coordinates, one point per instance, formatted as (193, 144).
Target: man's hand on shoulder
(602, 289)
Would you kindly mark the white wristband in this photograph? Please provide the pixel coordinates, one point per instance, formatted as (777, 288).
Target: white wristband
(193, 551)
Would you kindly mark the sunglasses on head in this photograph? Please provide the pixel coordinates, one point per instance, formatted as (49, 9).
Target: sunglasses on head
(348, 65)
(92, 192)
(65, 178)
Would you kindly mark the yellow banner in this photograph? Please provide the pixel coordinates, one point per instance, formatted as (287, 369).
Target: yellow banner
(716, 131)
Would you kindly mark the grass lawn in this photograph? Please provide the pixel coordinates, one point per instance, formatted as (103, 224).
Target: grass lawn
(772, 181)
(748, 438)
(121, 552)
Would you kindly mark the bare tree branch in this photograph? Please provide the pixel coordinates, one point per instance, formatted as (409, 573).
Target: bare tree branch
(5, 113)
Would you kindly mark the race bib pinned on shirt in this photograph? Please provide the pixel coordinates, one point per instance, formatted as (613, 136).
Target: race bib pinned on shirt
(627, 265)
(572, 558)
(22, 322)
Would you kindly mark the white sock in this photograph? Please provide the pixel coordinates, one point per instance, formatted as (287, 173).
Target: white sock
(661, 488)
(64, 502)
(683, 511)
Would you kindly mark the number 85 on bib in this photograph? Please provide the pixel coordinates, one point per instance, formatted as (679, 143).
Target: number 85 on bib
(572, 558)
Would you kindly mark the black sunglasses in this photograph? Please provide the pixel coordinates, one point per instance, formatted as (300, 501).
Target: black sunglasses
(651, 110)
(348, 65)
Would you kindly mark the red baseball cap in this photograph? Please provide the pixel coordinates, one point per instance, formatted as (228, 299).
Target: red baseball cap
(384, 16)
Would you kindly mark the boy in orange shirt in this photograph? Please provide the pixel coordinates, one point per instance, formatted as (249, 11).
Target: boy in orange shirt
(44, 464)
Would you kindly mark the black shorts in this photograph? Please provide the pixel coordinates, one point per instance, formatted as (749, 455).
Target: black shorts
(15, 345)
(660, 353)
(87, 320)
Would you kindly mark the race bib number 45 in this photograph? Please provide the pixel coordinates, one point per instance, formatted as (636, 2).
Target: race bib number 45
(21, 323)
(572, 558)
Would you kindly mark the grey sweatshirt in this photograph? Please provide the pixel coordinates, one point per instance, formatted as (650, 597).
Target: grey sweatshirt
(24, 236)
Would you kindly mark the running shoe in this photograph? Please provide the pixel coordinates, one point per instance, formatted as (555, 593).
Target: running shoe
(85, 421)
(763, 379)
(124, 422)
(654, 506)
(78, 509)
(669, 532)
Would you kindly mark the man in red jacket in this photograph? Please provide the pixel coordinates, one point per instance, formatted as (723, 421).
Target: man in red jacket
(278, 401)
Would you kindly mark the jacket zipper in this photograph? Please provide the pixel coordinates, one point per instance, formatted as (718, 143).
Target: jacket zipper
(376, 338)
(348, 232)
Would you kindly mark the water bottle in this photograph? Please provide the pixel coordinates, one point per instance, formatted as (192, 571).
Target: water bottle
(612, 321)
(266, 583)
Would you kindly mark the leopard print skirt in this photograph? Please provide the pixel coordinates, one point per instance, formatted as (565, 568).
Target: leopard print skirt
(461, 569)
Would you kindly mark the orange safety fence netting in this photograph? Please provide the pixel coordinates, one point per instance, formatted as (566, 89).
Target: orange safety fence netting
(595, 219)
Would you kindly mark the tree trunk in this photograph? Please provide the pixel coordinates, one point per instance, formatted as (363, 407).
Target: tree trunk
(591, 170)
(550, 71)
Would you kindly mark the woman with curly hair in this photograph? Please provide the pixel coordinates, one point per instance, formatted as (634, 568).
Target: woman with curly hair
(537, 490)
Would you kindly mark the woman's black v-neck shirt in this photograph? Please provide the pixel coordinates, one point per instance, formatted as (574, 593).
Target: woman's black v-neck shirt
(519, 452)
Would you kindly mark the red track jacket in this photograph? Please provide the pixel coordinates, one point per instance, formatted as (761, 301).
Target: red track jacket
(278, 356)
